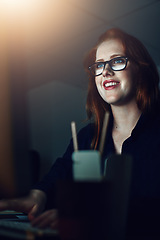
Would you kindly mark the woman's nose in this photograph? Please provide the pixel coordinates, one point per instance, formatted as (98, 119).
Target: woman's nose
(107, 70)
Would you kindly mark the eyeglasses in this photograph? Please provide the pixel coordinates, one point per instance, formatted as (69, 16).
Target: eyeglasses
(116, 64)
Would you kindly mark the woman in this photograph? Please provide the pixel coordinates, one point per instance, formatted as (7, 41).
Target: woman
(123, 80)
(144, 96)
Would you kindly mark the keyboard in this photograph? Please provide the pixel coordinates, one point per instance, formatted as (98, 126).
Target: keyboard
(24, 230)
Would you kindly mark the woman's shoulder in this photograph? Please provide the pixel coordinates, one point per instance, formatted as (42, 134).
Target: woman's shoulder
(87, 129)
(85, 135)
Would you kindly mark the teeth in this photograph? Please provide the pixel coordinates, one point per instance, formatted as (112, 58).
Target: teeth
(110, 84)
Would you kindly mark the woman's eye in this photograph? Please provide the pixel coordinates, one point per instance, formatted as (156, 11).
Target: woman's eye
(99, 65)
(117, 61)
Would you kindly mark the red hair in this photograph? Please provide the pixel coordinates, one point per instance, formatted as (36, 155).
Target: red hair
(147, 95)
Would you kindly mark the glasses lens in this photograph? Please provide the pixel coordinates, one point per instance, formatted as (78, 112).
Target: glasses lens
(118, 64)
(97, 68)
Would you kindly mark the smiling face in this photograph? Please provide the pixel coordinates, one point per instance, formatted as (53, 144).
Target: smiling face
(115, 87)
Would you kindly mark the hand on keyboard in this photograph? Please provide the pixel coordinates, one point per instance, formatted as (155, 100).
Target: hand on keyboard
(47, 219)
(24, 230)
(33, 204)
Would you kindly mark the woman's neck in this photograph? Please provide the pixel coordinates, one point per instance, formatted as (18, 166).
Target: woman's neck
(125, 117)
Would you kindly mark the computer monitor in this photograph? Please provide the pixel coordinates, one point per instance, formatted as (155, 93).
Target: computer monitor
(15, 164)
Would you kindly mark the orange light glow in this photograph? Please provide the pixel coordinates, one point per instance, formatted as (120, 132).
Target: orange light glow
(16, 5)
(15, 9)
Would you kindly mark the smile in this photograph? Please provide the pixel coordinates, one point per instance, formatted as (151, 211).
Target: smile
(110, 84)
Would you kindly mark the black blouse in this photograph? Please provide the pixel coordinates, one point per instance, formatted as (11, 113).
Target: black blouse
(144, 147)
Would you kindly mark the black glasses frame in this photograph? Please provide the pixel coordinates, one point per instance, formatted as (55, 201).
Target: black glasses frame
(109, 63)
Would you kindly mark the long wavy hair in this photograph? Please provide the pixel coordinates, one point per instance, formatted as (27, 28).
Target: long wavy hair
(147, 95)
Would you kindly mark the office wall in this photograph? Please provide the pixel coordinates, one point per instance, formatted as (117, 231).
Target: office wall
(52, 107)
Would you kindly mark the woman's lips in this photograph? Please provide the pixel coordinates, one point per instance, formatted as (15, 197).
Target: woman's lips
(110, 84)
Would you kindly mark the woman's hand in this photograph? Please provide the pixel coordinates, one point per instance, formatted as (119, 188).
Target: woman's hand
(33, 204)
(47, 219)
